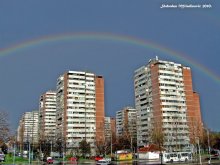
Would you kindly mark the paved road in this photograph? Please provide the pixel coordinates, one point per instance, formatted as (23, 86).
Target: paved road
(135, 162)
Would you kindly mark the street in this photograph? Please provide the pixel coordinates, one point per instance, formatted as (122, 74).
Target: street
(134, 162)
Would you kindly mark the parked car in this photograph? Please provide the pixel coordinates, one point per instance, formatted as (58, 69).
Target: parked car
(49, 160)
(73, 159)
(2, 157)
(97, 158)
(215, 154)
(104, 162)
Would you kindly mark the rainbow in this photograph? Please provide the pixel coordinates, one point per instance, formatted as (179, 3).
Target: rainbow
(86, 36)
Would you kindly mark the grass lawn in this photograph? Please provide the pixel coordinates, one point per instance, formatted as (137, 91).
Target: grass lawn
(9, 160)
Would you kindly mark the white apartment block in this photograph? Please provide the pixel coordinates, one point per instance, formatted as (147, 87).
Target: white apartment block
(160, 101)
(109, 128)
(126, 122)
(76, 109)
(108, 134)
(47, 116)
(28, 127)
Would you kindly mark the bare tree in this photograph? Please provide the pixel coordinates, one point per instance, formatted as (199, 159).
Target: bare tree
(100, 147)
(128, 138)
(157, 136)
(4, 127)
(195, 130)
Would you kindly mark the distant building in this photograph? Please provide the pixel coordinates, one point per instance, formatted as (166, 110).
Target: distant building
(80, 109)
(126, 122)
(47, 116)
(20, 133)
(165, 101)
(109, 128)
(28, 128)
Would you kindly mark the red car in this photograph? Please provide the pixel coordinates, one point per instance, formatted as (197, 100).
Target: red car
(49, 160)
(97, 158)
(73, 159)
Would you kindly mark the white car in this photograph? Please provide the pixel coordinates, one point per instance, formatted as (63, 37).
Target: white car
(2, 157)
(104, 162)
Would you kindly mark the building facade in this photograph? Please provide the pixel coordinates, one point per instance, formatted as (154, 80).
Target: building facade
(47, 116)
(166, 104)
(28, 128)
(126, 122)
(80, 109)
(110, 127)
(100, 109)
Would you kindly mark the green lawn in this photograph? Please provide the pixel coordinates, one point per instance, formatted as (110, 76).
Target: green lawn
(9, 160)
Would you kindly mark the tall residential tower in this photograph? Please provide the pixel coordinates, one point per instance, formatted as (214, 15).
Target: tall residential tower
(109, 129)
(165, 101)
(126, 122)
(80, 109)
(47, 116)
(28, 128)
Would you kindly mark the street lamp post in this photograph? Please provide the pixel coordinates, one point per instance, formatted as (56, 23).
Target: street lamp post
(200, 159)
(209, 146)
(29, 151)
(51, 148)
(63, 150)
(29, 144)
(111, 143)
(14, 150)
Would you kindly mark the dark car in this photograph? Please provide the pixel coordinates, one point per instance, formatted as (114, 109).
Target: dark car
(215, 154)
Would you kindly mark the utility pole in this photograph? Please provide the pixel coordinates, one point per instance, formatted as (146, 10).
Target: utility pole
(32, 136)
(200, 159)
(29, 147)
(209, 147)
(63, 141)
(14, 150)
(111, 143)
(51, 148)
(29, 153)
(63, 151)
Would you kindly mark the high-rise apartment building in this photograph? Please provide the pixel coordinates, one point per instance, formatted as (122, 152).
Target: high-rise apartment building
(80, 109)
(126, 122)
(28, 128)
(109, 128)
(100, 109)
(47, 116)
(165, 101)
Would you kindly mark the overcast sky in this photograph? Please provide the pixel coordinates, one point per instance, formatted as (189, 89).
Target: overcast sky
(109, 38)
